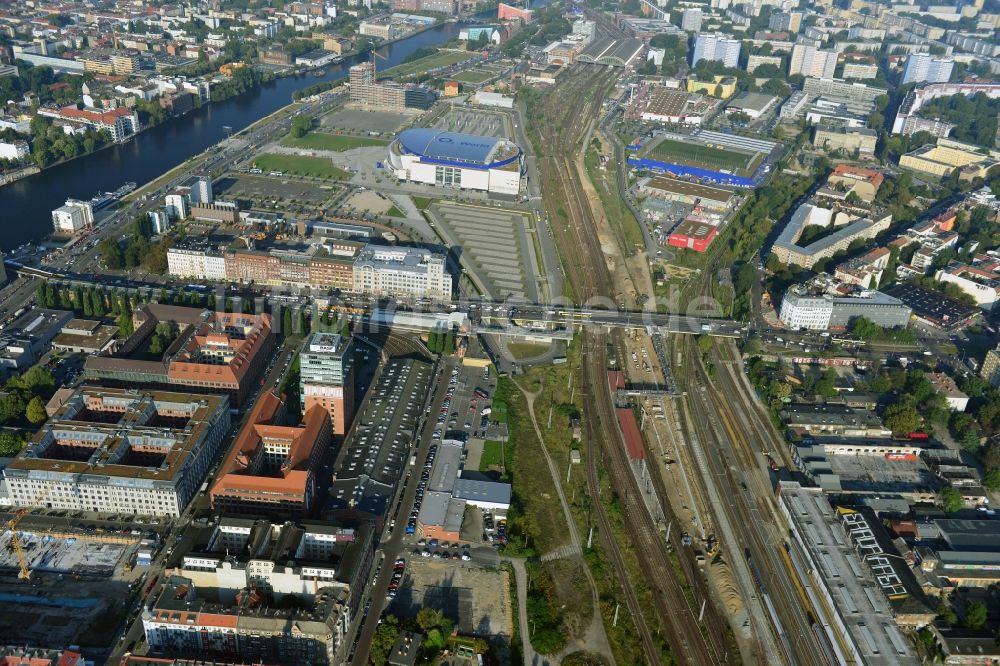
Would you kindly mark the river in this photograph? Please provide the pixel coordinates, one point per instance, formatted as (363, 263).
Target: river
(26, 205)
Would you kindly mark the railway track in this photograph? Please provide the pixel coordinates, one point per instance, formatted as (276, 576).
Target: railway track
(677, 609)
(724, 419)
(562, 123)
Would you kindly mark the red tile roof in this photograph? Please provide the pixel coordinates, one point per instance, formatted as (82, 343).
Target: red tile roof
(630, 431)
(106, 117)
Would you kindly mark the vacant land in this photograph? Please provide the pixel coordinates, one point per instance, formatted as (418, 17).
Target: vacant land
(526, 350)
(334, 142)
(427, 63)
(473, 76)
(475, 599)
(300, 165)
(699, 155)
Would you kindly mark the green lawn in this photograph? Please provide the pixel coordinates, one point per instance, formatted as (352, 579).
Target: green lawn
(492, 455)
(300, 165)
(335, 142)
(422, 203)
(473, 76)
(394, 212)
(700, 155)
(525, 350)
(421, 65)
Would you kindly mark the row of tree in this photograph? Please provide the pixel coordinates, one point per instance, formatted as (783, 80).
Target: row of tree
(441, 342)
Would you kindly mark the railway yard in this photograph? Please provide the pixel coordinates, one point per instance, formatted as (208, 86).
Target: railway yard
(537, 447)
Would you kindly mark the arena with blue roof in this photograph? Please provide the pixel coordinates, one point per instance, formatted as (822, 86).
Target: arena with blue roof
(452, 159)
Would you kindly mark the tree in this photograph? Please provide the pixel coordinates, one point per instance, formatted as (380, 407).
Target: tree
(992, 480)
(111, 254)
(11, 444)
(946, 614)
(125, 326)
(901, 418)
(429, 618)
(12, 407)
(384, 640)
(975, 615)
(704, 343)
(35, 411)
(301, 126)
(38, 381)
(950, 500)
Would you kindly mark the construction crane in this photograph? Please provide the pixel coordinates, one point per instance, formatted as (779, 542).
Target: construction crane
(15, 539)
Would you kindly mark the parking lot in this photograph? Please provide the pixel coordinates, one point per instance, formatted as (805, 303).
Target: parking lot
(360, 120)
(262, 191)
(496, 247)
(464, 415)
(473, 121)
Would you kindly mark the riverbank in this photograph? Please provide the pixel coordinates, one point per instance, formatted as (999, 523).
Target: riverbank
(28, 202)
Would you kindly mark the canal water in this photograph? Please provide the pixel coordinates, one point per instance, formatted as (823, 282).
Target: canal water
(26, 205)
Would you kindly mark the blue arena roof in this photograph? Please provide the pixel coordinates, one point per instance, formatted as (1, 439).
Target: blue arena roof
(449, 146)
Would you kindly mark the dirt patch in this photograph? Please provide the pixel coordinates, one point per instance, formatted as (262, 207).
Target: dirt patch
(477, 600)
(369, 201)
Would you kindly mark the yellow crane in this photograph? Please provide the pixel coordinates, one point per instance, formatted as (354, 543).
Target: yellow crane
(15, 539)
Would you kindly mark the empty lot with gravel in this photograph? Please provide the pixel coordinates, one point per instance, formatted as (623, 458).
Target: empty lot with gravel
(477, 600)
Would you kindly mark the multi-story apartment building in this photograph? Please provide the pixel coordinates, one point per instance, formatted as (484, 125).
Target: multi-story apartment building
(180, 621)
(973, 44)
(860, 70)
(326, 377)
(691, 19)
(990, 370)
(926, 68)
(755, 61)
(809, 60)
(307, 561)
(716, 47)
(121, 122)
(402, 273)
(121, 451)
(849, 229)
(73, 216)
(177, 205)
(785, 22)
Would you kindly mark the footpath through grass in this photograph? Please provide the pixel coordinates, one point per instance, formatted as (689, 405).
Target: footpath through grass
(561, 395)
(333, 142)
(300, 165)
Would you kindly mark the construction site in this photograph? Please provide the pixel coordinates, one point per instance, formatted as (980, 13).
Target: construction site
(37, 561)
